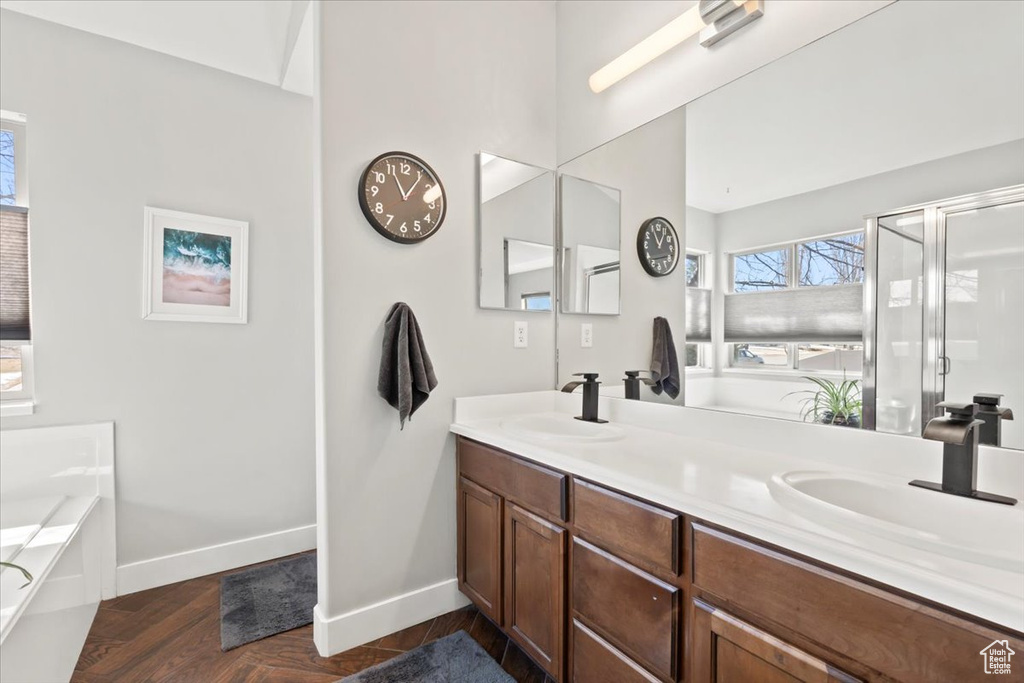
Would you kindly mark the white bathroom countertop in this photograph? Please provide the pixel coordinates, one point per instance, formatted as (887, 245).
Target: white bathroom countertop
(717, 467)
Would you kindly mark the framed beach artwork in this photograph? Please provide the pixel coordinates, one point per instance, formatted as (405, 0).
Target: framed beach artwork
(196, 268)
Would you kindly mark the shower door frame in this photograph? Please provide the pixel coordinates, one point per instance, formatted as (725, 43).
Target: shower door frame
(934, 363)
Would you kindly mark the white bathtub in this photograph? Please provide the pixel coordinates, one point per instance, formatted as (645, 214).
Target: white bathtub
(56, 520)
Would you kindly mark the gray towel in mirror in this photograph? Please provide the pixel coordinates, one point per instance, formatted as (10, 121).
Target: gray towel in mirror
(664, 364)
(406, 375)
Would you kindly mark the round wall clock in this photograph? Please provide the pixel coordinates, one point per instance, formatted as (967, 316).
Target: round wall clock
(657, 245)
(402, 197)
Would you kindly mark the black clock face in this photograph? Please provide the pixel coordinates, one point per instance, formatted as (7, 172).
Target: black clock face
(657, 245)
(402, 197)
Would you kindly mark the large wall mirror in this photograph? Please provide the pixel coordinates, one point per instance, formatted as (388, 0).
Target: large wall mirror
(517, 254)
(854, 227)
(606, 194)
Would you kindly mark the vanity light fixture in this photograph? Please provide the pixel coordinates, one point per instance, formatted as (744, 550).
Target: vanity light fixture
(717, 18)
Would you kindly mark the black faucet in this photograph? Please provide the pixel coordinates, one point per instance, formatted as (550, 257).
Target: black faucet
(632, 381)
(991, 432)
(958, 433)
(590, 395)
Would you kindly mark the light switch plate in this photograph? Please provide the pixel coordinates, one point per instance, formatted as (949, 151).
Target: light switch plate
(586, 335)
(520, 338)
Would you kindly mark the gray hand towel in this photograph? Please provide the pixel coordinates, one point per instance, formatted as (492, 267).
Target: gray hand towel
(664, 364)
(406, 375)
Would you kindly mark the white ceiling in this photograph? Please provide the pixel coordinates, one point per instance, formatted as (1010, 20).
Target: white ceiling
(267, 40)
(913, 82)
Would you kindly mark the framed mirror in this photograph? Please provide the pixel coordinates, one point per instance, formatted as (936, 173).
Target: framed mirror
(516, 235)
(589, 227)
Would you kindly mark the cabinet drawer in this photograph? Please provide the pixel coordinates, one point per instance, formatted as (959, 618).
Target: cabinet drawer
(869, 626)
(535, 487)
(627, 527)
(634, 611)
(595, 661)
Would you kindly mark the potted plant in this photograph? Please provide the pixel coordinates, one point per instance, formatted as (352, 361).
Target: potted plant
(28, 577)
(831, 403)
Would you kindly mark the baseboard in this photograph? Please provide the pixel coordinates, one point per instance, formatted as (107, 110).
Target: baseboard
(161, 571)
(343, 632)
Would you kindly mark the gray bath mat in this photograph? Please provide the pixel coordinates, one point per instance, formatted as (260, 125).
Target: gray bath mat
(454, 659)
(262, 601)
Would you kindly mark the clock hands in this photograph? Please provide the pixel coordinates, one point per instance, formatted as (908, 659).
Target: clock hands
(405, 195)
(659, 240)
(399, 183)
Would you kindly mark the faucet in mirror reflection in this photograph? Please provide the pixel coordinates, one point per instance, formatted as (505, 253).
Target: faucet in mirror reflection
(959, 433)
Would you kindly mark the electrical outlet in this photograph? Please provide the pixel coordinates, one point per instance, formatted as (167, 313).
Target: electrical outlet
(519, 339)
(586, 335)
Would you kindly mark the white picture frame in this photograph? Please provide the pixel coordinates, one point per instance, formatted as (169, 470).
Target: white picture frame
(195, 268)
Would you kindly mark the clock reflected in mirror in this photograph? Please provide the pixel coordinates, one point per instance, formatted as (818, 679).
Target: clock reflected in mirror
(402, 197)
(657, 246)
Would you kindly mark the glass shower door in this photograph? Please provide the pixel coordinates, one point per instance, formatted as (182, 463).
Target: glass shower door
(900, 324)
(984, 309)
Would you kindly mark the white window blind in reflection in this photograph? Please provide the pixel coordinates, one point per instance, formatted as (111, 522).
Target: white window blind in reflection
(698, 314)
(805, 314)
(14, 309)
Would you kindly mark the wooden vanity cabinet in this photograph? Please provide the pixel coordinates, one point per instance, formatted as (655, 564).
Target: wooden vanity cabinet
(512, 546)
(728, 650)
(600, 587)
(535, 587)
(480, 518)
(755, 606)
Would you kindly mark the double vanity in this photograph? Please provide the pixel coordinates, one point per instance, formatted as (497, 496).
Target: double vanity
(683, 545)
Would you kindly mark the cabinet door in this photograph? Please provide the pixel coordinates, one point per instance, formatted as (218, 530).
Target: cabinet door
(727, 650)
(535, 587)
(479, 547)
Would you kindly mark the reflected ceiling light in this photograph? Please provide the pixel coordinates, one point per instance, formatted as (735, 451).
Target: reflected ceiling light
(720, 17)
(433, 194)
(909, 220)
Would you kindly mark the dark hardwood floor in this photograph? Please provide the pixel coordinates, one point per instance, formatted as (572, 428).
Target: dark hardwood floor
(172, 634)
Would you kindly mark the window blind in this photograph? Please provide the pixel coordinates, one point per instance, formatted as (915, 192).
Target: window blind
(14, 294)
(698, 315)
(804, 314)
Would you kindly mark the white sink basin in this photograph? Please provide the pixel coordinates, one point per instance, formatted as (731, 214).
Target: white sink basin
(561, 428)
(973, 530)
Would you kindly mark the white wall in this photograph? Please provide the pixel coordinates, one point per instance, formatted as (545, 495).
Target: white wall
(386, 498)
(842, 207)
(213, 422)
(701, 230)
(648, 167)
(591, 33)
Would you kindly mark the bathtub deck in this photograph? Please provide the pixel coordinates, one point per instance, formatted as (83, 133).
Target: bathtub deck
(39, 548)
(172, 633)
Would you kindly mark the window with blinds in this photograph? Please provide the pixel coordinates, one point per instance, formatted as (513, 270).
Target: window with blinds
(15, 306)
(798, 306)
(15, 324)
(698, 312)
